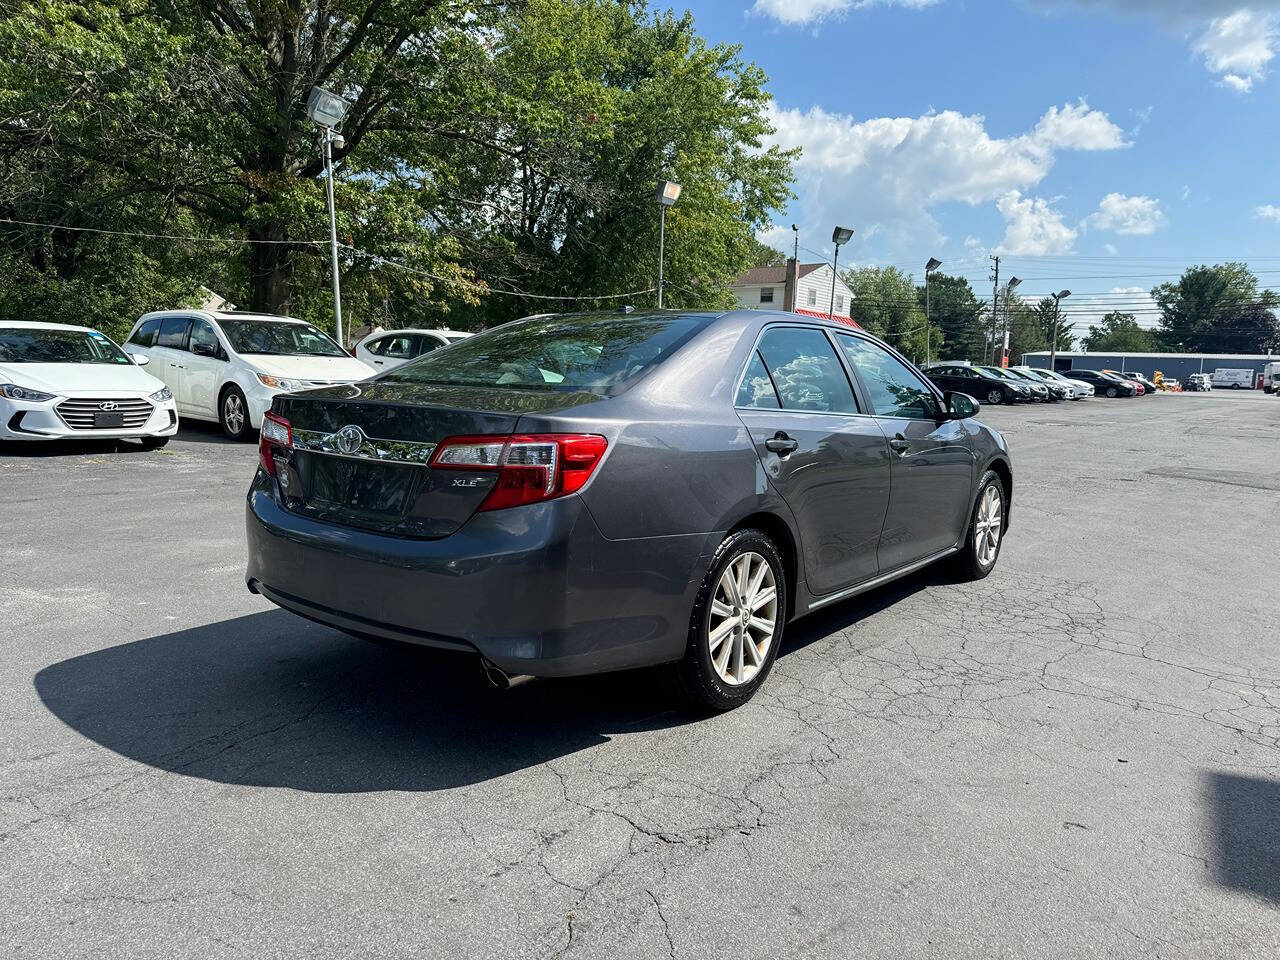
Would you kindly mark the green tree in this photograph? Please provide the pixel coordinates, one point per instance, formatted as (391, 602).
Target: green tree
(885, 303)
(763, 255)
(957, 316)
(1050, 315)
(1217, 309)
(1119, 333)
(488, 147)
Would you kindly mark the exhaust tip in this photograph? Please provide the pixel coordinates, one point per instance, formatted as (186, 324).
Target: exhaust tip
(499, 679)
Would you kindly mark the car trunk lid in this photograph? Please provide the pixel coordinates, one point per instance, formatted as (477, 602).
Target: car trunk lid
(360, 452)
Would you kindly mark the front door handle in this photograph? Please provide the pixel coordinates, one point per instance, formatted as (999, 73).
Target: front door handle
(781, 444)
(900, 444)
(378, 362)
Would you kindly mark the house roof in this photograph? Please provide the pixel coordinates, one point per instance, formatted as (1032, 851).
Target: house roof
(761, 275)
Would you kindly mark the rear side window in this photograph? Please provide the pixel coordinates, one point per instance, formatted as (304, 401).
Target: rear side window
(756, 389)
(145, 335)
(426, 344)
(805, 370)
(173, 333)
(895, 390)
(584, 352)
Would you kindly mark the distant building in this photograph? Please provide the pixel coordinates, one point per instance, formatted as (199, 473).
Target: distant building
(803, 288)
(1180, 365)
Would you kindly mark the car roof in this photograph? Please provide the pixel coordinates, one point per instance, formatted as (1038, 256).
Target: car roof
(218, 315)
(443, 331)
(40, 325)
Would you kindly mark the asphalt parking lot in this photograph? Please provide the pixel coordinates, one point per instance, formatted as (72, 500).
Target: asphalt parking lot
(1079, 756)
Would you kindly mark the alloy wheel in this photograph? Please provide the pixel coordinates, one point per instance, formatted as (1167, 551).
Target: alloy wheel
(233, 412)
(993, 396)
(743, 619)
(988, 525)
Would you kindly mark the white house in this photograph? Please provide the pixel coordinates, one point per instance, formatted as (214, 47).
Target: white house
(795, 288)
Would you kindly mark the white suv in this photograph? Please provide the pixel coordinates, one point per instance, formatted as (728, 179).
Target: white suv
(228, 366)
(391, 348)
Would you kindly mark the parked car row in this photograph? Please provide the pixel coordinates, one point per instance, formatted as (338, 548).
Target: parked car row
(58, 380)
(996, 385)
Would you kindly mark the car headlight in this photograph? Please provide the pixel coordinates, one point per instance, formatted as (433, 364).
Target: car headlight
(15, 392)
(162, 395)
(278, 383)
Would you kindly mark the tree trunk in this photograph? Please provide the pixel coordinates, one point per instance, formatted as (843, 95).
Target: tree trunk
(270, 271)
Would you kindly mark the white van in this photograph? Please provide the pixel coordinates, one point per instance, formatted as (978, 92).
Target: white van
(1271, 377)
(1234, 378)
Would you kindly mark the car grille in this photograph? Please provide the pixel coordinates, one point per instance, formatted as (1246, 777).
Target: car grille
(78, 413)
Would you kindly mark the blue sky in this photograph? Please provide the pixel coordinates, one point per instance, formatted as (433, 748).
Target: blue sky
(1097, 145)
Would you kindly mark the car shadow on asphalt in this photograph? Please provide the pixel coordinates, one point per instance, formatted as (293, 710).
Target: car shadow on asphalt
(1245, 813)
(271, 700)
(68, 448)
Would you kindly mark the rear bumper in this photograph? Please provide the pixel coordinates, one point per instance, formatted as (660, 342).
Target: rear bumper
(535, 589)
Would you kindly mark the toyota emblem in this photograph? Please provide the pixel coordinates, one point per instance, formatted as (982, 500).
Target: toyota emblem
(108, 405)
(349, 439)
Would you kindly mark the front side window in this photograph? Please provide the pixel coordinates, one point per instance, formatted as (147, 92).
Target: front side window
(805, 370)
(279, 338)
(398, 347)
(425, 344)
(203, 340)
(44, 345)
(586, 352)
(895, 390)
(766, 294)
(145, 335)
(173, 332)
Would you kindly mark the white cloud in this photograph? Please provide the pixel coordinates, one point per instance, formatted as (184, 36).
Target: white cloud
(1239, 46)
(1237, 39)
(1033, 227)
(1129, 216)
(888, 173)
(1076, 127)
(800, 12)
(1268, 211)
(1110, 248)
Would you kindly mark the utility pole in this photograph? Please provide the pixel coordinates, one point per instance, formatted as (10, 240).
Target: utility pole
(1004, 336)
(329, 137)
(995, 300)
(793, 269)
(1057, 302)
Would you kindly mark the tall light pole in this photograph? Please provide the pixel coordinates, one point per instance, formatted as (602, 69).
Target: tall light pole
(327, 109)
(933, 264)
(839, 236)
(1004, 348)
(668, 194)
(793, 278)
(1053, 350)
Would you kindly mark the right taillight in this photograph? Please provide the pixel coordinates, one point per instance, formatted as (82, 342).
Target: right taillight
(276, 432)
(531, 466)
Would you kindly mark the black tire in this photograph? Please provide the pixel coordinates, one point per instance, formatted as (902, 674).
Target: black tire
(235, 429)
(968, 566)
(995, 397)
(696, 676)
(1111, 392)
(154, 443)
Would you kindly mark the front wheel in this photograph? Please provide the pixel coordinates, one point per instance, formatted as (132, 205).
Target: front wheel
(233, 414)
(1111, 392)
(986, 529)
(994, 397)
(737, 623)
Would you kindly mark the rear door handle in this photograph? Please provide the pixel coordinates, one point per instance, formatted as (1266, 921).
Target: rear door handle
(378, 362)
(781, 444)
(900, 444)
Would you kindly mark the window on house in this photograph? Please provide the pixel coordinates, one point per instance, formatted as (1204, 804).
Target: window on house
(839, 302)
(766, 294)
(813, 298)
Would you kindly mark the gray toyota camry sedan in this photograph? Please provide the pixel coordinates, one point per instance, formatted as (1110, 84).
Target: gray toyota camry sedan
(580, 493)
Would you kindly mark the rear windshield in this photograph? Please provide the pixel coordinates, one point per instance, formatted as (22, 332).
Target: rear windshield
(34, 345)
(277, 338)
(592, 352)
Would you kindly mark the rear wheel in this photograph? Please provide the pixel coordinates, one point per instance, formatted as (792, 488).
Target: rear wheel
(986, 529)
(233, 414)
(737, 623)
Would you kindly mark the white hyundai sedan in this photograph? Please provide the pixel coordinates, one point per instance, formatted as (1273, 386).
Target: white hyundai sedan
(60, 382)
(228, 366)
(392, 348)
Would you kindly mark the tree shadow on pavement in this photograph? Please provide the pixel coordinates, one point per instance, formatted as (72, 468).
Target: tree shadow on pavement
(1246, 822)
(271, 700)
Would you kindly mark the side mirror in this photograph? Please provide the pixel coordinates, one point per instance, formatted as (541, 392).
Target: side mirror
(204, 349)
(961, 406)
(141, 359)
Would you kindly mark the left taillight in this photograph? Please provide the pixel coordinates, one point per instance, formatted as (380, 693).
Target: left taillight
(276, 432)
(531, 466)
